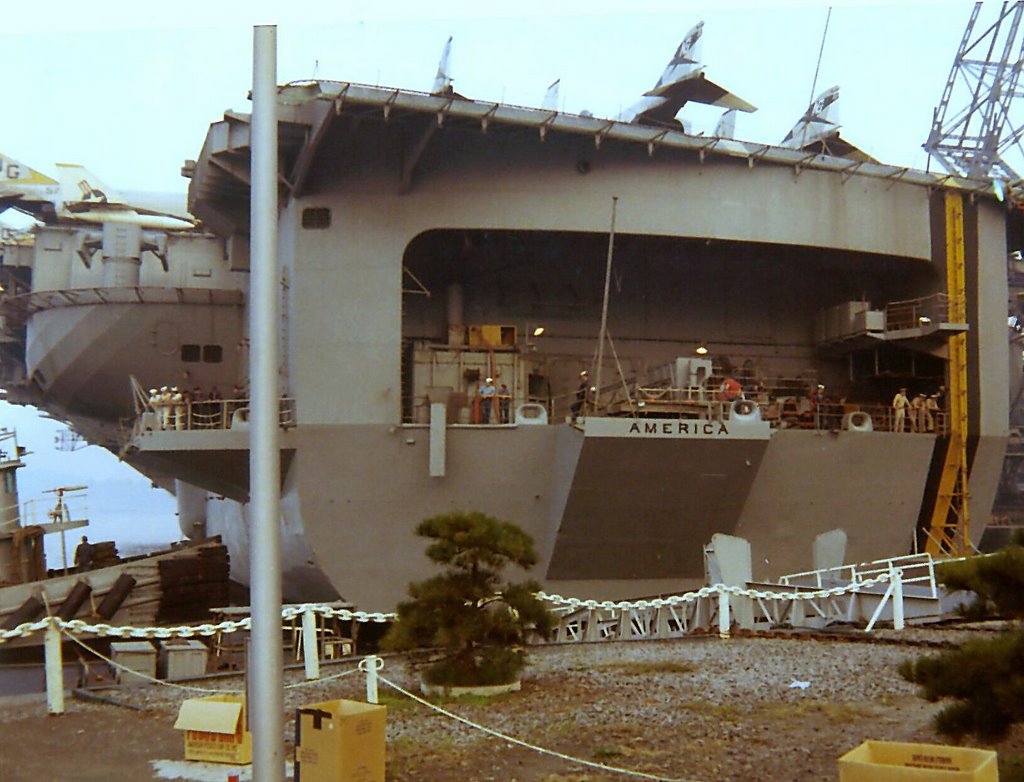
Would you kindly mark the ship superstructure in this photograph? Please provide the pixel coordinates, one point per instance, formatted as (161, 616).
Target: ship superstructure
(425, 240)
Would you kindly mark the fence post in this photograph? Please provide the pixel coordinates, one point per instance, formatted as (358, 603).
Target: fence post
(897, 599)
(369, 665)
(310, 654)
(54, 669)
(723, 612)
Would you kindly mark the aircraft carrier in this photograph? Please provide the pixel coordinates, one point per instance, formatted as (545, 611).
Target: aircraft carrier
(432, 245)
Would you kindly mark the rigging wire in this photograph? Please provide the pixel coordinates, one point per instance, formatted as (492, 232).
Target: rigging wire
(814, 84)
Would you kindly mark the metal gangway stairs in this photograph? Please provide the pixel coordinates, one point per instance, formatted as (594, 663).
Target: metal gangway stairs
(897, 590)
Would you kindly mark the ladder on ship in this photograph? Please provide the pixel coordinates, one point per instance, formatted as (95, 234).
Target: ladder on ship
(948, 533)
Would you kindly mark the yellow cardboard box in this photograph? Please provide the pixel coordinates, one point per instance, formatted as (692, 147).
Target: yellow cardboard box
(339, 741)
(886, 761)
(215, 729)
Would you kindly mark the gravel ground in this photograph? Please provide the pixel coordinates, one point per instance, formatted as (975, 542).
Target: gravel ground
(694, 709)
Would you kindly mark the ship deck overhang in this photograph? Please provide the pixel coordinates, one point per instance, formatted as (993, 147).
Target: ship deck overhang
(309, 111)
(217, 461)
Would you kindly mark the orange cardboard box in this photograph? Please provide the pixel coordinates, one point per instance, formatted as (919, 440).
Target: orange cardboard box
(215, 729)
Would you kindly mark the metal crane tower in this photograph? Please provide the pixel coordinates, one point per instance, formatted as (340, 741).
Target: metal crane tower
(972, 140)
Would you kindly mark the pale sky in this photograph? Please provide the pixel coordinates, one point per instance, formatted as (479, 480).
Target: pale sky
(129, 89)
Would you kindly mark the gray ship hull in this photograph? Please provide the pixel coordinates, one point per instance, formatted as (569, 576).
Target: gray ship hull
(613, 517)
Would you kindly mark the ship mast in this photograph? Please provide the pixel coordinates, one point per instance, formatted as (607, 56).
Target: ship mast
(604, 306)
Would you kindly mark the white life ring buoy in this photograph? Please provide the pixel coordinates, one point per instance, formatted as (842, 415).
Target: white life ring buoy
(744, 410)
(858, 421)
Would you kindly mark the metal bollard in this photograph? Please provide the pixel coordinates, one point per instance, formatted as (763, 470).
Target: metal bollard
(723, 614)
(370, 665)
(54, 670)
(897, 599)
(309, 646)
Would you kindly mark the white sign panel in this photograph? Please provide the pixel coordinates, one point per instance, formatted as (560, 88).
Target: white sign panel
(677, 428)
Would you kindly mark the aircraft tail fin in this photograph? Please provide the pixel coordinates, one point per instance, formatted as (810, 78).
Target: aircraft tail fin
(79, 186)
(550, 102)
(820, 121)
(443, 79)
(16, 174)
(726, 127)
(684, 63)
(682, 81)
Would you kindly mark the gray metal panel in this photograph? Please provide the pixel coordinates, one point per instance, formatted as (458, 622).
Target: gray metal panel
(869, 484)
(644, 508)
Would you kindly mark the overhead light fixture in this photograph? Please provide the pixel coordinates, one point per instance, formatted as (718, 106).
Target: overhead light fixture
(924, 320)
(538, 330)
(702, 349)
(999, 190)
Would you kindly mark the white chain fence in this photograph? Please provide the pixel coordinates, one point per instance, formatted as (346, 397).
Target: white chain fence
(78, 626)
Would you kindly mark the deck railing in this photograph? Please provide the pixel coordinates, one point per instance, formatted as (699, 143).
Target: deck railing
(206, 415)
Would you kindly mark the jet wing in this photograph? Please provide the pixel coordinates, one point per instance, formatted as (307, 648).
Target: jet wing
(663, 107)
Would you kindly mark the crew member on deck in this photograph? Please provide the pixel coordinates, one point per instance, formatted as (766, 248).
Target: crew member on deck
(486, 400)
(917, 408)
(504, 403)
(83, 555)
(581, 395)
(931, 407)
(900, 403)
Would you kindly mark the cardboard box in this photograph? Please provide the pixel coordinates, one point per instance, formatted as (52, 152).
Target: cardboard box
(138, 656)
(215, 729)
(184, 658)
(885, 761)
(339, 741)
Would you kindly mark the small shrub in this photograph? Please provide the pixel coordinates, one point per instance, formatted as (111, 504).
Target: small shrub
(466, 611)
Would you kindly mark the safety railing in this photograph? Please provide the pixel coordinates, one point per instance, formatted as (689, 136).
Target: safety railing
(205, 415)
(916, 569)
(917, 313)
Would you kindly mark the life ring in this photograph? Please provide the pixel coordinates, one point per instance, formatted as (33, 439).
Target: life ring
(531, 413)
(858, 421)
(744, 410)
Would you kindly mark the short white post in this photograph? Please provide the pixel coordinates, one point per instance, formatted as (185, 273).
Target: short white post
(897, 599)
(310, 654)
(723, 612)
(369, 665)
(54, 670)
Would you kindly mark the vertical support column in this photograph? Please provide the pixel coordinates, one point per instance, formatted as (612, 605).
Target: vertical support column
(267, 702)
(438, 437)
(723, 614)
(897, 599)
(949, 532)
(54, 670)
(369, 664)
(310, 654)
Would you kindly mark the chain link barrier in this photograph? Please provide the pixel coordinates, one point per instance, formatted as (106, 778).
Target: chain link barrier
(708, 591)
(187, 631)
(292, 611)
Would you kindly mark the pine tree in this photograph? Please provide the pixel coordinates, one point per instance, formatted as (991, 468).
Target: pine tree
(465, 610)
(985, 678)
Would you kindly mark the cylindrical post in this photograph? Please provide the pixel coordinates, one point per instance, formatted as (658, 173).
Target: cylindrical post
(310, 654)
(267, 707)
(54, 670)
(370, 664)
(723, 614)
(897, 599)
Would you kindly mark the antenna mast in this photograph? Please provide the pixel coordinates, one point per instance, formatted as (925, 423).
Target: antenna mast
(971, 141)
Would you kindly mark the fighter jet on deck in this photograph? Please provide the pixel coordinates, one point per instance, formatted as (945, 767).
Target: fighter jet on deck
(683, 81)
(80, 197)
(817, 131)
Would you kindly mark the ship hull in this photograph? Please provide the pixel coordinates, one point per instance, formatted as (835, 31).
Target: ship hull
(612, 517)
